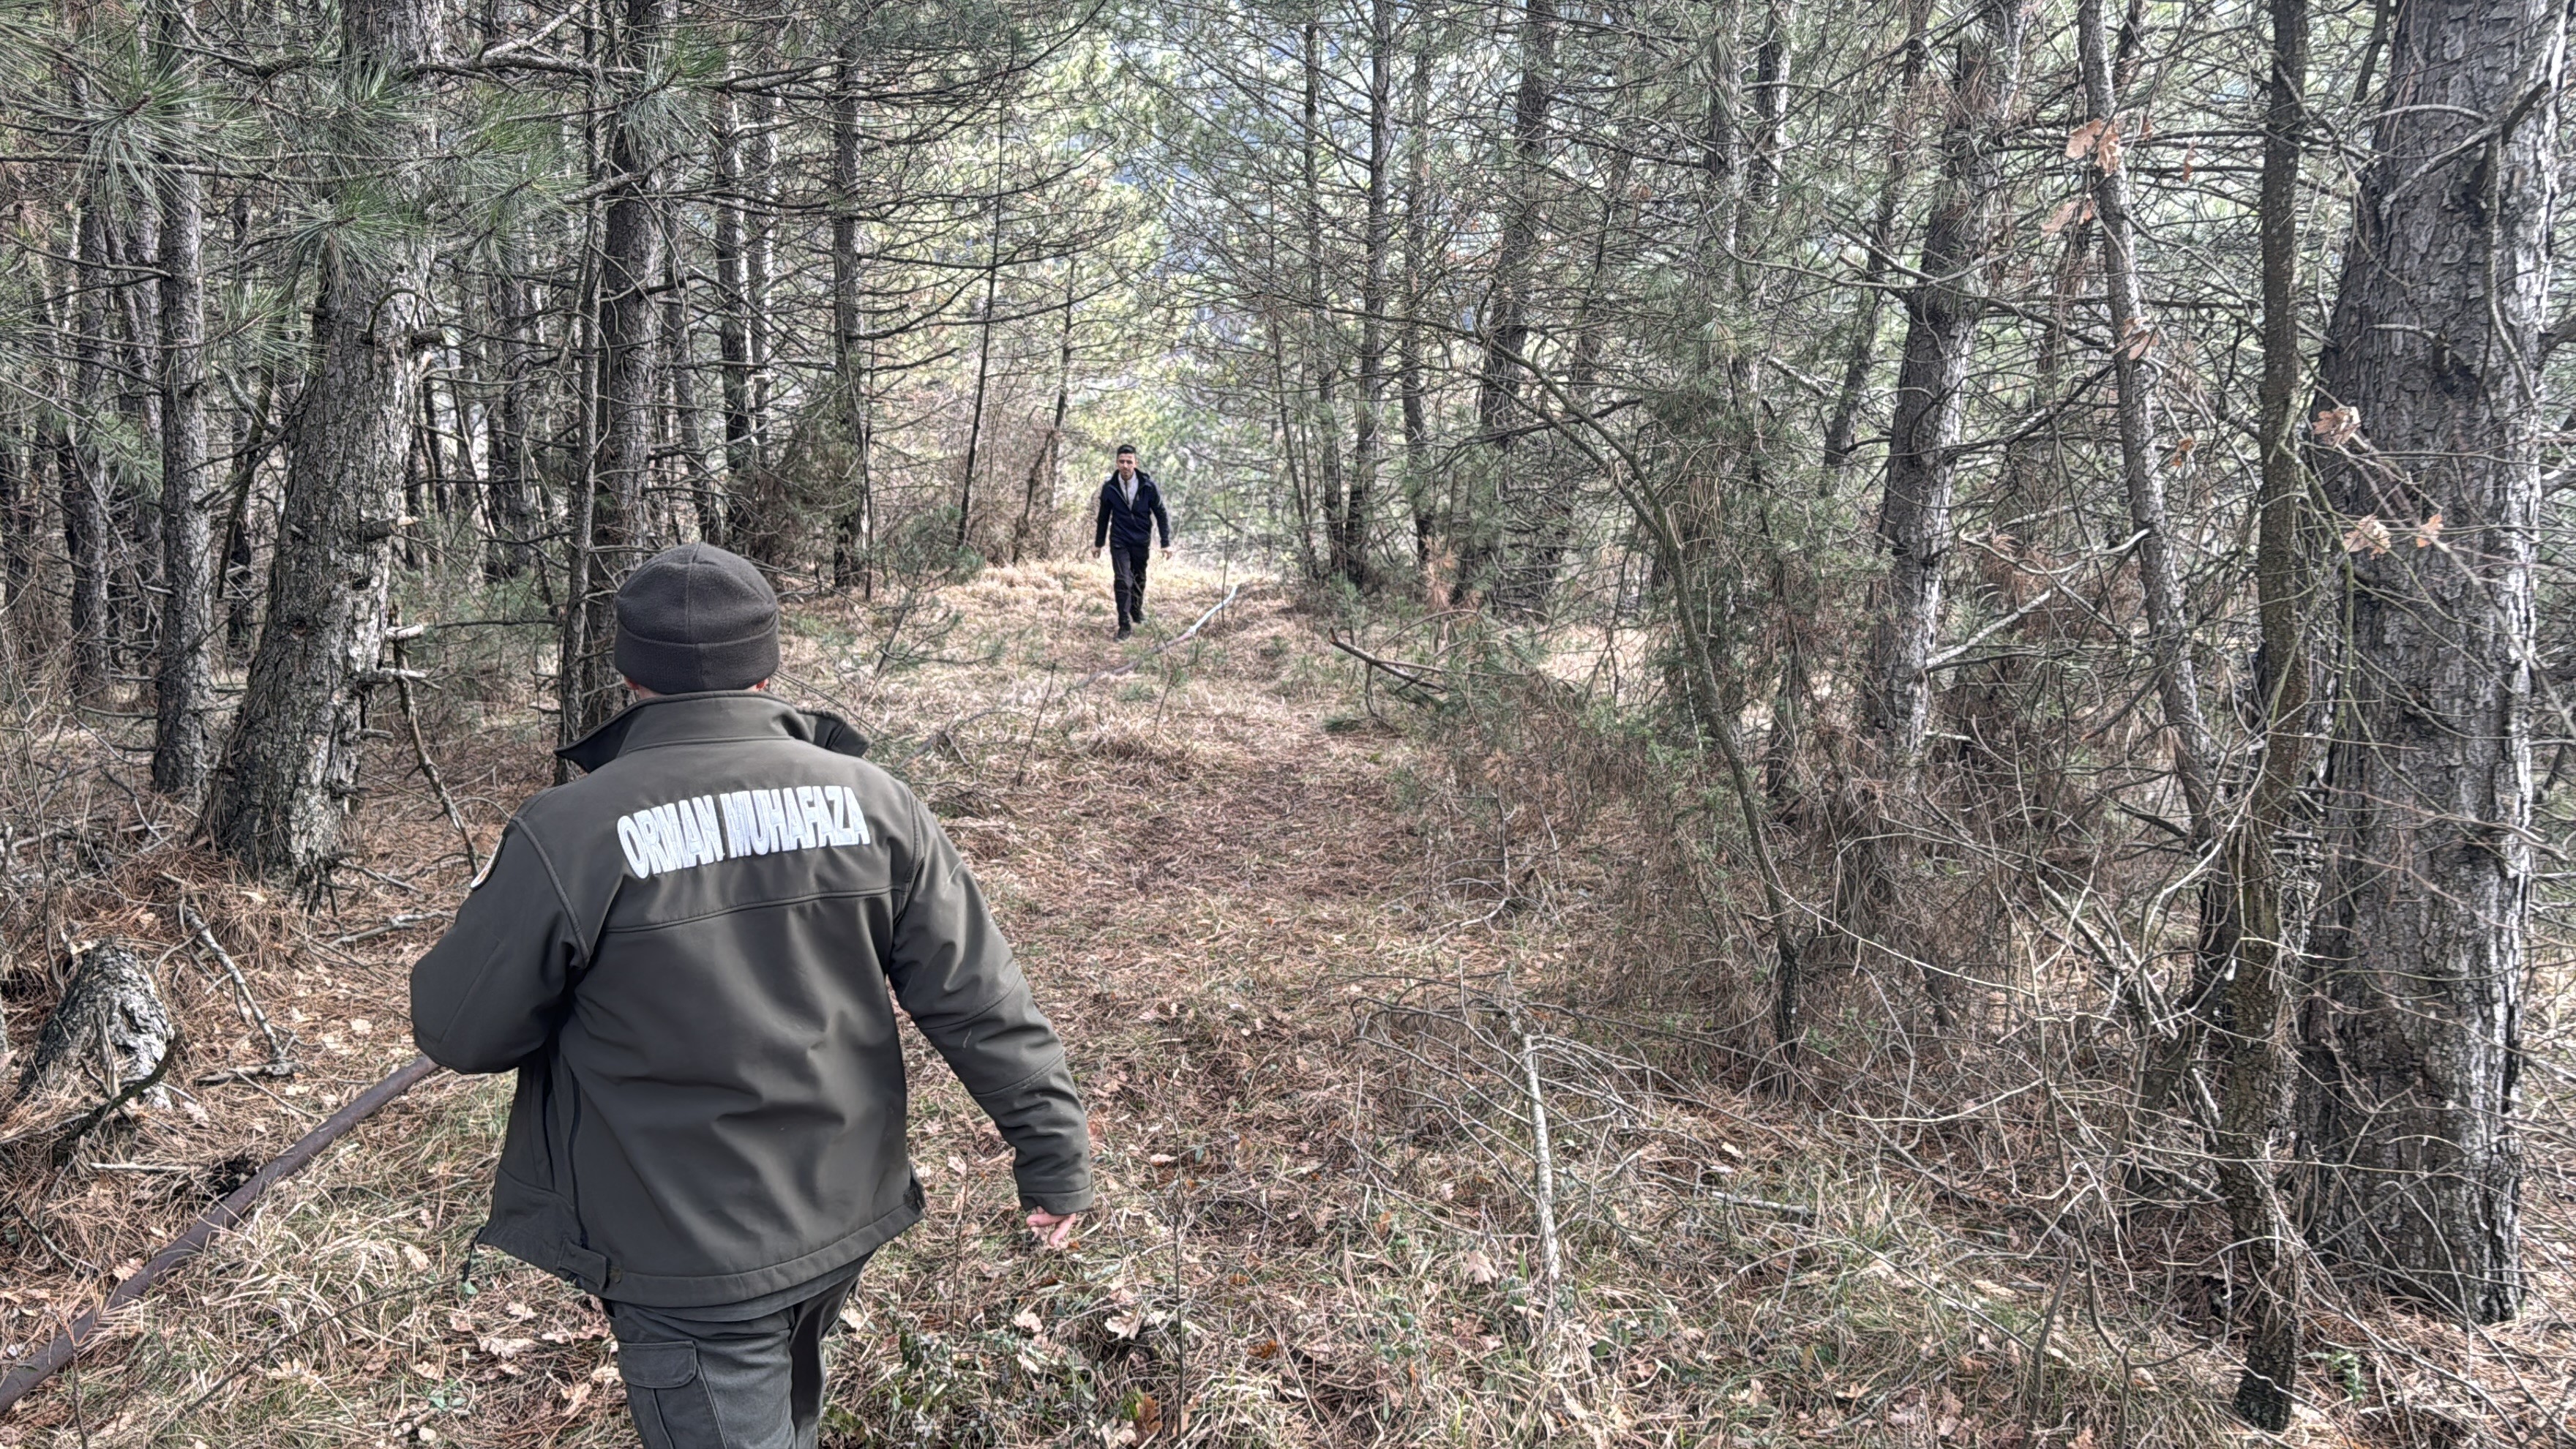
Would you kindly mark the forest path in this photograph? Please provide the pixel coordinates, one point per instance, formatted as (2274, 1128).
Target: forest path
(1192, 867)
(1251, 911)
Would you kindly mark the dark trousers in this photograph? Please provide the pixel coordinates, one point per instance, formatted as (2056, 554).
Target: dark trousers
(693, 1383)
(1127, 571)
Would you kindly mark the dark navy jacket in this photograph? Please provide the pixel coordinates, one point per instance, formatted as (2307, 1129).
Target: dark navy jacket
(1133, 524)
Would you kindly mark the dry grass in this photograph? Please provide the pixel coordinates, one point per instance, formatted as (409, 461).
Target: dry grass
(1288, 999)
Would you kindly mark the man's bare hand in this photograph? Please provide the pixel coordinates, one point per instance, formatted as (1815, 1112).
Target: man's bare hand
(1167, 550)
(1054, 1230)
(1095, 553)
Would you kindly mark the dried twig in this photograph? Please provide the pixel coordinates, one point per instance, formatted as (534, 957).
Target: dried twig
(401, 921)
(279, 1063)
(420, 750)
(1551, 1264)
(1760, 1204)
(244, 1074)
(1407, 672)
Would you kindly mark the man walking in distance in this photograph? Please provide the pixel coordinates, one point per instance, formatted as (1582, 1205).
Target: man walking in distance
(686, 955)
(1130, 509)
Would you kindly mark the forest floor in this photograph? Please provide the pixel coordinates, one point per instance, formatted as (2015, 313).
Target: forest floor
(1298, 1037)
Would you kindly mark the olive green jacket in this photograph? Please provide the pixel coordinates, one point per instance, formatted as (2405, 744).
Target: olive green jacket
(686, 955)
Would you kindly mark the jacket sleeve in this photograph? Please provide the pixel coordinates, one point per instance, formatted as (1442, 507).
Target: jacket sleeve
(490, 994)
(953, 972)
(1100, 523)
(1161, 517)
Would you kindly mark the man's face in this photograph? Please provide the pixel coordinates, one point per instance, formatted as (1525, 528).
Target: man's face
(1126, 465)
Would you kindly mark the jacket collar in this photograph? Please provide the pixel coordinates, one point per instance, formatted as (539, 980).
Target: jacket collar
(1144, 480)
(721, 714)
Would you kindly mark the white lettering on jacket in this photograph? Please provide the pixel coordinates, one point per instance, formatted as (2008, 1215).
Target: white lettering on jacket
(707, 828)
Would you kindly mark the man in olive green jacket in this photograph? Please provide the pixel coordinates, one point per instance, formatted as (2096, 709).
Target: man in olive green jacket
(686, 956)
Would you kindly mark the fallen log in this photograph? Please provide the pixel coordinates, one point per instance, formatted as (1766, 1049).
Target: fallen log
(228, 1212)
(112, 1007)
(148, 1084)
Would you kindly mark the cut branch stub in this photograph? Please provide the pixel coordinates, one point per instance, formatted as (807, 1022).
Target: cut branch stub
(111, 1015)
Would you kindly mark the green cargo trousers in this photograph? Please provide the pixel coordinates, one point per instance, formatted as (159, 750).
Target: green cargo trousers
(694, 1382)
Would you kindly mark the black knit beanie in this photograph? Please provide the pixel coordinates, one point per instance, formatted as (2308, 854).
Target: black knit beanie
(694, 618)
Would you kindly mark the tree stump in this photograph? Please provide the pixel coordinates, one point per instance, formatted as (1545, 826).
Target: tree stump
(111, 1015)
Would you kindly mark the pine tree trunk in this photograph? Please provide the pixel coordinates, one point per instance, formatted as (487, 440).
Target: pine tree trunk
(509, 504)
(466, 490)
(1321, 333)
(629, 355)
(1420, 494)
(86, 517)
(1721, 144)
(983, 371)
(733, 325)
(853, 524)
(134, 252)
(2255, 1087)
(680, 373)
(2429, 420)
(1943, 311)
(1770, 112)
(1292, 440)
(1842, 428)
(292, 759)
(184, 678)
(1504, 323)
(17, 535)
(1350, 545)
(1034, 534)
(252, 439)
(745, 151)
(48, 456)
(759, 254)
(2133, 339)
(425, 480)
(1541, 516)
